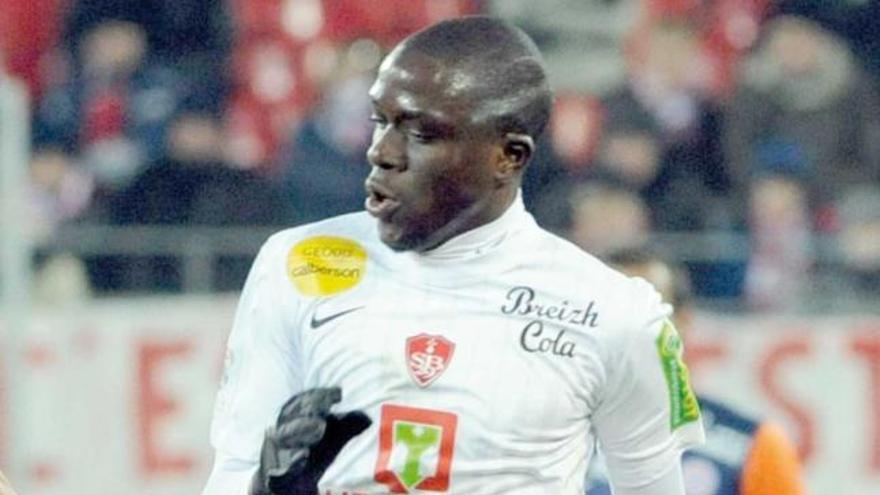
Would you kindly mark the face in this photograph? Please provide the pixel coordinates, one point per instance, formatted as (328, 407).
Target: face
(434, 169)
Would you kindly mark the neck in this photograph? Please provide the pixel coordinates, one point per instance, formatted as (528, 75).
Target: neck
(476, 215)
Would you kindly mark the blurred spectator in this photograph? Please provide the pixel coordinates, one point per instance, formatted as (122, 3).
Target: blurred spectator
(604, 31)
(284, 49)
(605, 218)
(323, 173)
(191, 185)
(806, 110)
(657, 136)
(61, 191)
(854, 20)
(660, 140)
(781, 250)
(272, 92)
(195, 33)
(582, 42)
(562, 158)
(859, 237)
(113, 112)
(662, 137)
(663, 141)
(725, 28)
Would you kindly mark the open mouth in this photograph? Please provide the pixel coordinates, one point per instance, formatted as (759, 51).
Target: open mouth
(380, 202)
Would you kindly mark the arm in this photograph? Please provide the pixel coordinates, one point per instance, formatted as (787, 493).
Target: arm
(261, 373)
(667, 484)
(648, 414)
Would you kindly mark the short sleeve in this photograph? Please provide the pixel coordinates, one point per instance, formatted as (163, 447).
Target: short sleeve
(261, 370)
(648, 414)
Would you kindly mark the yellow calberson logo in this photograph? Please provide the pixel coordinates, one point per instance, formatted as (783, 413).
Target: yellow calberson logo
(684, 407)
(326, 265)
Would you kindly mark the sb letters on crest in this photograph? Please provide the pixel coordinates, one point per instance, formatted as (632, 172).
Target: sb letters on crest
(427, 357)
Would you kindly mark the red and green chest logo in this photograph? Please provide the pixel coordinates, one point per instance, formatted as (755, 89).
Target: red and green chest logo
(416, 447)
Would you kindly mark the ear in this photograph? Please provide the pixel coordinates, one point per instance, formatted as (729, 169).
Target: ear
(516, 151)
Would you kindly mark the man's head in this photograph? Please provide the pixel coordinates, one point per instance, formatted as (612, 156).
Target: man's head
(605, 218)
(114, 49)
(457, 109)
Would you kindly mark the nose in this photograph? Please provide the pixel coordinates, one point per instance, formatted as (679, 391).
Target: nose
(387, 151)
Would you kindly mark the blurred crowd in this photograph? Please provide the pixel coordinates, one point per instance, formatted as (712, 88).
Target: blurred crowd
(752, 118)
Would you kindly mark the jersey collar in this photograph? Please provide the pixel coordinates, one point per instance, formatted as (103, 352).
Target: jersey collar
(480, 241)
(469, 257)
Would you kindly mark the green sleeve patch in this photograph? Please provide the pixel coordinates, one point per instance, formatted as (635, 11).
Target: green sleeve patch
(683, 404)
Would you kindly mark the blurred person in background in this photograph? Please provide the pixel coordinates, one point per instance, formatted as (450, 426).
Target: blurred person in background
(804, 109)
(803, 129)
(664, 142)
(193, 36)
(61, 191)
(324, 170)
(570, 32)
(658, 134)
(113, 110)
(659, 137)
(858, 238)
(742, 455)
(854, 20)
(782, 252)
(662, 136)
(192, 184)
(563, 159)
(605, 218)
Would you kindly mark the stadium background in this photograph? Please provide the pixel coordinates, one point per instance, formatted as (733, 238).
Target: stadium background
(148, 147)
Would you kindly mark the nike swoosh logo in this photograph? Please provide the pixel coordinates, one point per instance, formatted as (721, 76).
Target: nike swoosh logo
(320, 322)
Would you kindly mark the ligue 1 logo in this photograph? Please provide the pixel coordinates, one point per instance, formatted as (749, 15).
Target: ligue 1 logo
(427, 357)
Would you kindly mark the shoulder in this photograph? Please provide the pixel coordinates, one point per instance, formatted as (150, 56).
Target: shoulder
(558, 254)
(622, 297)
(622, 308)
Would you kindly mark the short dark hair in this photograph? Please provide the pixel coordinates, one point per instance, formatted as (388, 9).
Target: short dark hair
(516, 93)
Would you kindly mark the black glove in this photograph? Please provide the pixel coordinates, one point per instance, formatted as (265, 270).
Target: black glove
(304, 441)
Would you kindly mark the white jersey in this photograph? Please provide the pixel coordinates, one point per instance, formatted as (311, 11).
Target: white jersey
(490, 365)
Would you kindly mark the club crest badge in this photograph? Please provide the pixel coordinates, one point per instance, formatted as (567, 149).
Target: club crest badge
(427, 357)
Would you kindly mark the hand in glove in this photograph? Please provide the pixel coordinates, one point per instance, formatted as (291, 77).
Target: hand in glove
(304, 441)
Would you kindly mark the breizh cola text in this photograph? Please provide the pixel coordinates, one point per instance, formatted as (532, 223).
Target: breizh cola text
(522, 300)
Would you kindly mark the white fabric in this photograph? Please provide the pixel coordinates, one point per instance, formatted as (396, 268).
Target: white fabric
(229, 476)
(528, 393)
(669, 483)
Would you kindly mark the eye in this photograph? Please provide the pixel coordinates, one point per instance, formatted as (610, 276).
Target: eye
(423, 137)
(378, 120)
